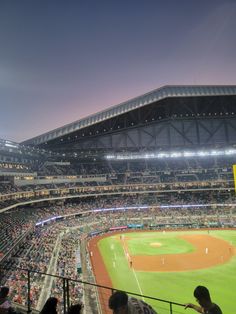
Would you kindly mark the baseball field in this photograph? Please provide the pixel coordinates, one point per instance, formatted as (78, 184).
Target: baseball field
(167, 265)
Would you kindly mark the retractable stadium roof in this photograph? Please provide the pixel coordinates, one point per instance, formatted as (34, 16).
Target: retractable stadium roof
(137, 102)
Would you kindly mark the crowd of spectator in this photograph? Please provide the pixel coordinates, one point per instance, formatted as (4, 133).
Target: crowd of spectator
(191, 165)
(14, 167)
(35, 254)
(67, 267)
(27, 245)
(8, 188)
(67, 190)
(17, 222)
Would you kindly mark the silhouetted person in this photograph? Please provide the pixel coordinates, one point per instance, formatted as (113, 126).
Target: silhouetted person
(50, 307)
(202, 296)
(120, 303)
(5, 304)
(75, 309)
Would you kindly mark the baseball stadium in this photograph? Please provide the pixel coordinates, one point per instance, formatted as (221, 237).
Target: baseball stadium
(138, 198)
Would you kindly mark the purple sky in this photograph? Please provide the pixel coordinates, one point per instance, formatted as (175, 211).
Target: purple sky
(63, 60)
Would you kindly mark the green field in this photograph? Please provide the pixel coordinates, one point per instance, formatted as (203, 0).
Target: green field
(174, 286)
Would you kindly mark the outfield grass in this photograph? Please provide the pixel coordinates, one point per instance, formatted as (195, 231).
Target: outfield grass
(174, 286)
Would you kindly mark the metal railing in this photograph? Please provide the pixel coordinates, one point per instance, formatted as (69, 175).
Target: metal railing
(66, 283)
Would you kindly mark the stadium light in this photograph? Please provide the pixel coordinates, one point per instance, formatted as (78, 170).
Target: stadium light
(172, 154)
(188, 154)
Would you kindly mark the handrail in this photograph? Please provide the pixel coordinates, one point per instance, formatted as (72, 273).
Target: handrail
(66, 280)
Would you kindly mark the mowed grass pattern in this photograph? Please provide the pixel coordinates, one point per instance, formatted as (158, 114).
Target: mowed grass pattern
(174, 286)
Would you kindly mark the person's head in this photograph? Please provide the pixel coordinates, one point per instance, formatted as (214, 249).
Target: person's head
(118, 302)
(202, 295)
(50, 305)
(75, 309)
(4, 292)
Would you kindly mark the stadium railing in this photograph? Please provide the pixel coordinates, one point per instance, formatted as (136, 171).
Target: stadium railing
(104, 293)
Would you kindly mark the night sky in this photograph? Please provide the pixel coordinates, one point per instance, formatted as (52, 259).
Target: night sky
(63, 60)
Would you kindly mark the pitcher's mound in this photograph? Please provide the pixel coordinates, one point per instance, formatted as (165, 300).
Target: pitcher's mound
(156, 244)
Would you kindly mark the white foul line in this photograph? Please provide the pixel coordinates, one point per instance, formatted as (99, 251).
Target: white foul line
(135, 276)
(138, 284)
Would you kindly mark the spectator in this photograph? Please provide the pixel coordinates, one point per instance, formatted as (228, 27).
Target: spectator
(5, 304)
(50, 307)
(75, 309)
(202, 296)
(120, 303)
